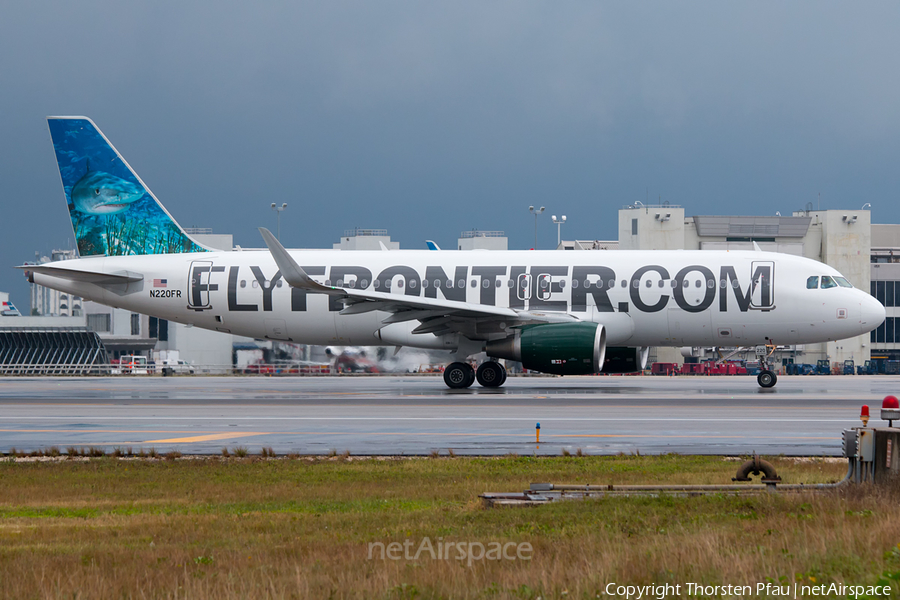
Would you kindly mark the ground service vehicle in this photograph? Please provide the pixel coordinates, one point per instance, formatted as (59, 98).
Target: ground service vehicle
(823, 367)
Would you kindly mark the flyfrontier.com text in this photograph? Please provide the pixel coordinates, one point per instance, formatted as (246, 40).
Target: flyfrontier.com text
(796, 590)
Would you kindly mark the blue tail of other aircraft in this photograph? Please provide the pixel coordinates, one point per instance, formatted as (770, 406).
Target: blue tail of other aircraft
(113, 213)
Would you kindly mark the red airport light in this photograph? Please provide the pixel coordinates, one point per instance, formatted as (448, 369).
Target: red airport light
(890, 409)
(864, 415)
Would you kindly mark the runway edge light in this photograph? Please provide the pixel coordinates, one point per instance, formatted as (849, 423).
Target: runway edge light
(864, 415)
(890, 410)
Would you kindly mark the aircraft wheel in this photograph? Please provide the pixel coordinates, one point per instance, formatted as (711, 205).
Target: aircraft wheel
(490, 374)
(766, 379)
(459, 375)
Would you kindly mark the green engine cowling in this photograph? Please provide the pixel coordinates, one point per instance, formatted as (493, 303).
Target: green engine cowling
(557, 348)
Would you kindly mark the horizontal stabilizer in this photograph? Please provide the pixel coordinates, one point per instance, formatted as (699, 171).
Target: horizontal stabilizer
(96, 277)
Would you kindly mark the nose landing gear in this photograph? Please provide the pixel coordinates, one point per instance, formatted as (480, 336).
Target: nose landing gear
(766, 377)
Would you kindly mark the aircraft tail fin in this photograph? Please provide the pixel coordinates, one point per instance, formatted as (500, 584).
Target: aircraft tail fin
(113, 213)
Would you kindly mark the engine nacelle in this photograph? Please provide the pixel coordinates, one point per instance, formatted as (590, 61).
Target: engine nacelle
(625, 360)
(557, 348)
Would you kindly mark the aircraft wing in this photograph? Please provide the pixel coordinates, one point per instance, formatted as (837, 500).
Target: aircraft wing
(437, 316)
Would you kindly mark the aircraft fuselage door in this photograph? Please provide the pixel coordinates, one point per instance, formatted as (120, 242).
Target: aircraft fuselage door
(523, 286)
(763, 288)
(544, 287)
(276, 329)
(198, 283)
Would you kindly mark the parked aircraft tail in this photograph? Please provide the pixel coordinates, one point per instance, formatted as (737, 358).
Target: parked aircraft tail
(113, 213)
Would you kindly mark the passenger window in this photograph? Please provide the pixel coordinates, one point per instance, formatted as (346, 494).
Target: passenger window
(812, 283)
(842, 281)
(827, 282)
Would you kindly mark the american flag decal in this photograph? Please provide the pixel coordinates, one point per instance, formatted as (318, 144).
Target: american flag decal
(157, 283)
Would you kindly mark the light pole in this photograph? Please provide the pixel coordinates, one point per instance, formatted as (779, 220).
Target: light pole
(558, 225)
(278, 209)
(532, 210)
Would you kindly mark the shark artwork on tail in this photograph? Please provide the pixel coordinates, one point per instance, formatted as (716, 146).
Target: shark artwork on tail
(99, 193)
(113, 213)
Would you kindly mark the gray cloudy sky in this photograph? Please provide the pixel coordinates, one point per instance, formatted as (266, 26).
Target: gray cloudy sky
(430, 118)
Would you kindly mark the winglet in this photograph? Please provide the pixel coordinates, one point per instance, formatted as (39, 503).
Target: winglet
(756, 247)
(290, 270)
(431, 245)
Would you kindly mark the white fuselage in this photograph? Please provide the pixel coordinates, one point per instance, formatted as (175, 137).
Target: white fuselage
(643, 298)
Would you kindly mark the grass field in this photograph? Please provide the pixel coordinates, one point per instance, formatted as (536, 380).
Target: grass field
(301, 528)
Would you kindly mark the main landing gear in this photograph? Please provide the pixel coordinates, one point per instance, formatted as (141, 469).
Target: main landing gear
(460, 375)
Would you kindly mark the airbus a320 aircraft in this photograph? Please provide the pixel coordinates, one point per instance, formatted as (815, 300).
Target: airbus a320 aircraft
(566, 313)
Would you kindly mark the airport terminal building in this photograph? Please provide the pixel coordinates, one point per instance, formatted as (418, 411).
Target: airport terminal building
(868, 255)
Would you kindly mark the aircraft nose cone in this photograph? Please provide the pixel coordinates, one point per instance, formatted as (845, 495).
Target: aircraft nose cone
(871, 313)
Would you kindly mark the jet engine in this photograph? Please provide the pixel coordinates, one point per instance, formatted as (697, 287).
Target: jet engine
(625, 360)
(557, 348)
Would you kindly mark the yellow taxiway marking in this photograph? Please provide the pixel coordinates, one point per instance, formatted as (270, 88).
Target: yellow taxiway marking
(91, 431)
(207, 438)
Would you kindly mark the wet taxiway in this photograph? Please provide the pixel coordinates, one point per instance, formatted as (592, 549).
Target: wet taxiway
(417, 415)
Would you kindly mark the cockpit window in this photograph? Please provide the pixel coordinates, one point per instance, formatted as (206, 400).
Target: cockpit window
(828, 282)
(842, 281)
(812, 283)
